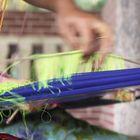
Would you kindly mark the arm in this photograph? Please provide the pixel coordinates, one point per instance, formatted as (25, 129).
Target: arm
(47, 4)
(53, 5)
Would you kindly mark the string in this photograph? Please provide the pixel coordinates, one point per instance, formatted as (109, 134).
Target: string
(16, 62)
(34, 57)
(3, 6)
(1, 3)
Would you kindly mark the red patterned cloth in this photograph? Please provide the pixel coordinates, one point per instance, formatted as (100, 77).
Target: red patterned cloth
(8, 137)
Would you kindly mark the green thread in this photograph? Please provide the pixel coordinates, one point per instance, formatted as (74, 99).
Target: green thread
(3, 115)
(25, 124)
(59, 65)
(7, 86)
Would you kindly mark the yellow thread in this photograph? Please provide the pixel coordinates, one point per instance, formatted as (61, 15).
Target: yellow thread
(3, 5)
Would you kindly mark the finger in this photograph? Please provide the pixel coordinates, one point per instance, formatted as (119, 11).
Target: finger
(69, 33)
(78, 34)
(86, 38)
(105, 36)
(100, 61)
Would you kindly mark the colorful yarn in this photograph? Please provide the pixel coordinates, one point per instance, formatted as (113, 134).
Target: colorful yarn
(61, 65)
(3, 5)
(7, 86)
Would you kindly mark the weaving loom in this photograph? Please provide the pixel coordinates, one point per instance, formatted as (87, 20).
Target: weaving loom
(64, 90)
(66, 83)
(71, 83)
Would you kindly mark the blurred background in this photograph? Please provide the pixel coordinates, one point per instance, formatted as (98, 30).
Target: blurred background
(27, 30)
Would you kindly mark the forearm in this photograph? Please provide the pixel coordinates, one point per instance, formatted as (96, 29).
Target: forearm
(46, 4)
(53, 5)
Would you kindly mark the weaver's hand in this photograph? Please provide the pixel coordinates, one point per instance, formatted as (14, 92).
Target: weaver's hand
(81, 29)
(84, 30)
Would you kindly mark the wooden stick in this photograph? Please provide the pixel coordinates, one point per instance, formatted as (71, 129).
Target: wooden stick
(12, 116)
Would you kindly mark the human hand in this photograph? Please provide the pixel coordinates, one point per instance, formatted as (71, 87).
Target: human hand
(84, 31)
